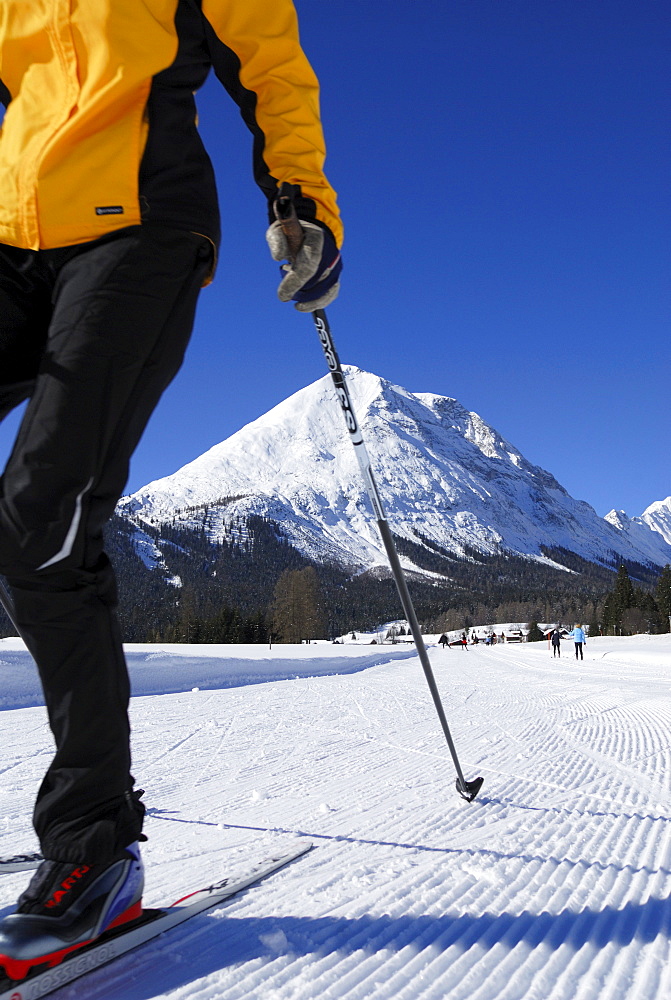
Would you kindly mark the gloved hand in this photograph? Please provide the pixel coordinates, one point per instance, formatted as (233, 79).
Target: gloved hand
(311, 279)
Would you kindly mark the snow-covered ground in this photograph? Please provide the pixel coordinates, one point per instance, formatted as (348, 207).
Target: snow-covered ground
(553, 885)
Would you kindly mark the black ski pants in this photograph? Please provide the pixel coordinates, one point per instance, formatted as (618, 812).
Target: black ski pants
(90, 335)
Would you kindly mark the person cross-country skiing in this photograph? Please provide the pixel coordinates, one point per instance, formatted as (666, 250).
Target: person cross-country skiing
(578, 636)
(556, 643)
(109, 227)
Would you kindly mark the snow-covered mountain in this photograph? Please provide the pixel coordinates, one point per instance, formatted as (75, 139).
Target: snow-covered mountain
(658, 517)
(647, 531)
(446, 478)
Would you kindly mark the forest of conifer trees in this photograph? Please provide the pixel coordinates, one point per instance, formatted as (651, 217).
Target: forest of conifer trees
(261, 589)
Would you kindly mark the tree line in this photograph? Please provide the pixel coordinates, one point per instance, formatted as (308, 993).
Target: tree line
(254, 586)
(628, 609)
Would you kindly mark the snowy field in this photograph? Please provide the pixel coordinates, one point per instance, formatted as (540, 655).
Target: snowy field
(553, 885)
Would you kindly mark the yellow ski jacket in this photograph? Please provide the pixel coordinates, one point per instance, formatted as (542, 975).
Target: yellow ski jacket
(100, 130)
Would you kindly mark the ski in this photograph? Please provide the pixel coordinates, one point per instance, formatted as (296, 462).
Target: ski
(112, 944)
(20, 863)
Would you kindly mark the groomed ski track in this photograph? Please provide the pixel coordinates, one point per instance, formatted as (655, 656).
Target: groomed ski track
(553, 885)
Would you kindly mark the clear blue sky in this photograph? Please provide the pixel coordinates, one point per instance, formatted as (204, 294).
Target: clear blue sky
(502, 168)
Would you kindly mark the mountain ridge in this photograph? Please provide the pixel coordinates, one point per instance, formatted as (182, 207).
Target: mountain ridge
(447, 479)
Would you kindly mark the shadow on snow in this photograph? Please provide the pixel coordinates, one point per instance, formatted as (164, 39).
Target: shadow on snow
(474, 852)
(212, 944)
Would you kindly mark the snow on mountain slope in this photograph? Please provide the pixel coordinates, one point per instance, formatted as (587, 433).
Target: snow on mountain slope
(444, 475)
(658, 517)
(650, 533)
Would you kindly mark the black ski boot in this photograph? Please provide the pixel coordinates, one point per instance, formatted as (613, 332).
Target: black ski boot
(67, 906)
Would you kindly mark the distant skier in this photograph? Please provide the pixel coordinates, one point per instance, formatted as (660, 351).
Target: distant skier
(578, 636)
(109, 227)
(444, 641)
(464, 641)
(556, 643)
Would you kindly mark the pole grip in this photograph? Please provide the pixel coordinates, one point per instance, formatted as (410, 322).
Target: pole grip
(285, 213)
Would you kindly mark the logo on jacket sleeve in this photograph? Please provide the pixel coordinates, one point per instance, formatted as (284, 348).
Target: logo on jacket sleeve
(109, 210)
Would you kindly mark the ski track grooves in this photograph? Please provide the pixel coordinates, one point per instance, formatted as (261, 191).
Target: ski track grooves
(554, 884)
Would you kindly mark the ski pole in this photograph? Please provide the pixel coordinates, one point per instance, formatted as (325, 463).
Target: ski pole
(286, 215)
